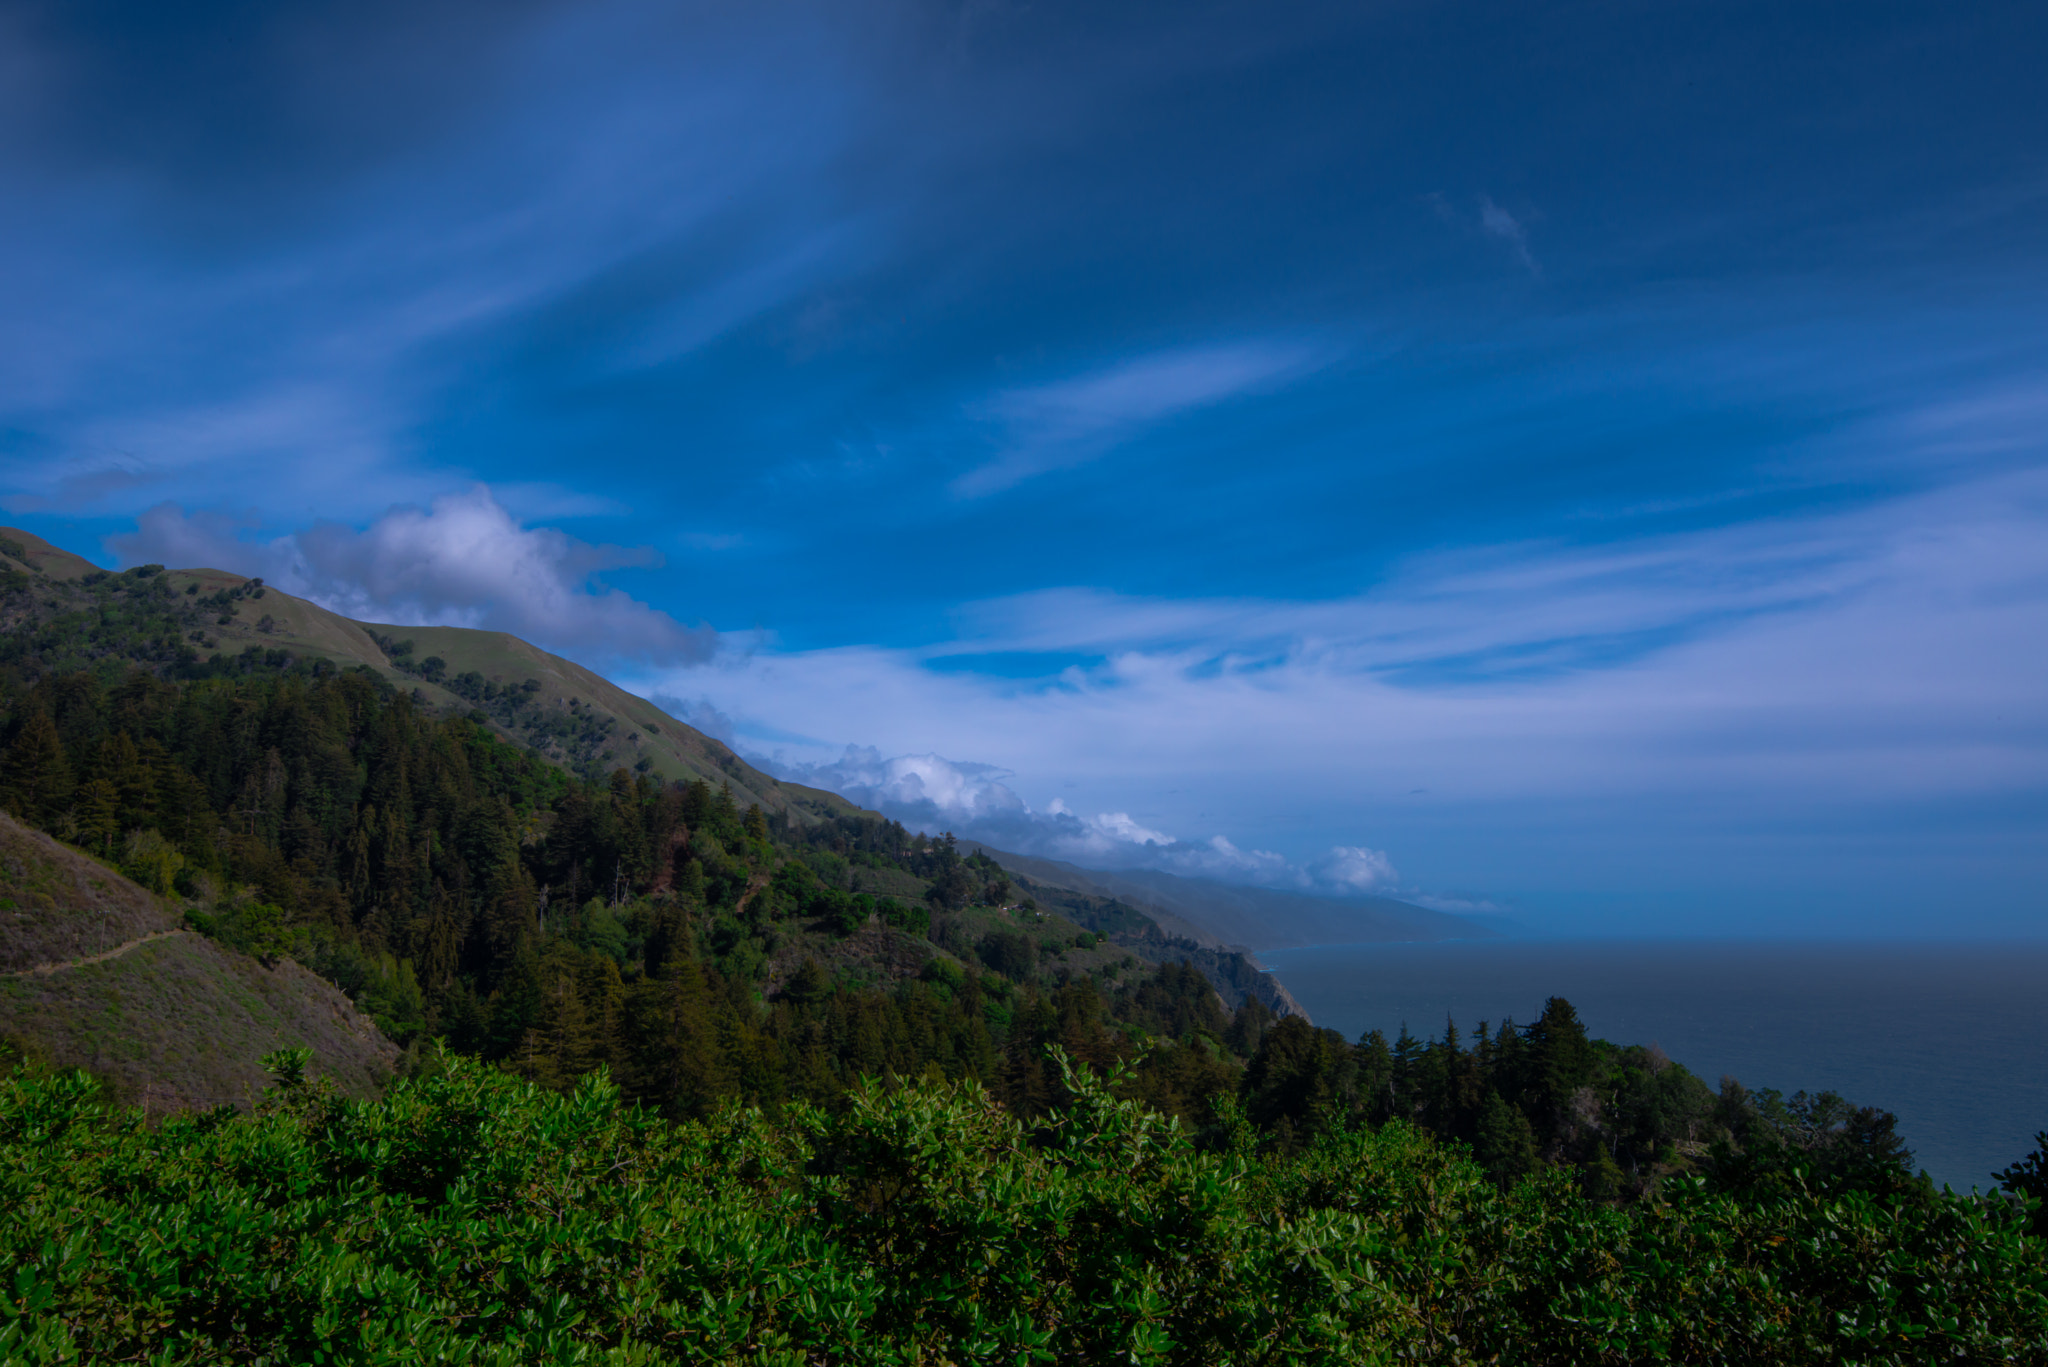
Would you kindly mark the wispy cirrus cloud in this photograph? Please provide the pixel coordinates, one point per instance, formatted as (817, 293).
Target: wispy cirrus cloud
(1072, 421)
(1847, 679)
(1497, 222)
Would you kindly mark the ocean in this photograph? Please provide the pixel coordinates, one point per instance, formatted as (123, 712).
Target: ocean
(1951, 1038)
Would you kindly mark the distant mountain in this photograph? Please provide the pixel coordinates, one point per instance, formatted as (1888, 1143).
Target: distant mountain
(97, 973)
(1226, 914)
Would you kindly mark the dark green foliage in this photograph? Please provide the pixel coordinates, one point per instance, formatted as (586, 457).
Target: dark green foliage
(36, 780)
(2027, 1180)
(457, 887)
(1505, 1144)
(1009, 953)
(467, 1216)
(1822, 1140)
(255, 928)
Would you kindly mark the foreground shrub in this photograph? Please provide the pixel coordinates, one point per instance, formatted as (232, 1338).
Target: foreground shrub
(470, 1217)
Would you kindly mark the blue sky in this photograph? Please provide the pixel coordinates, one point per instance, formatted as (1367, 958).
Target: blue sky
(1587, 461)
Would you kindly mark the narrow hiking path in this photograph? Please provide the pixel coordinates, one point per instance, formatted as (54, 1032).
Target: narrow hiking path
(754, 885)
(45, 970)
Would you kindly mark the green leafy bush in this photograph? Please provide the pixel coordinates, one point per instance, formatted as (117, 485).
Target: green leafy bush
(470, 1217)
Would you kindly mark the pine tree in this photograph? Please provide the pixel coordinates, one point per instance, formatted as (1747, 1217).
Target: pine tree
(1504, 1144)
(1560, 1056)
(98, 811)
(37, 778)
(1375, 1075)
(509, 921)
(122, 764)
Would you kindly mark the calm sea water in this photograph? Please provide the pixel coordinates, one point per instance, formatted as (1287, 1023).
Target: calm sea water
(1952, 1038)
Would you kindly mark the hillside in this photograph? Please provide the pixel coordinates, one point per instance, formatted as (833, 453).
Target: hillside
(1151, 935)
(462, 887)
(567, 714)
(55, 904)
(100, 975)
(207, 622)
(1225, 914)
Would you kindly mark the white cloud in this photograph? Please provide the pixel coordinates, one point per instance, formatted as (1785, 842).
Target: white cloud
(1357, 868)
(1841, 674)
(462, 561)
(931, 793)
(1054, 426)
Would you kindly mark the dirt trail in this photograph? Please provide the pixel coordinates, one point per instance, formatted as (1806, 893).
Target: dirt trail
(44, 970)
(754, 885)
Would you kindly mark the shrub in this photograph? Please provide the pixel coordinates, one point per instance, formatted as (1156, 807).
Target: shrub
(469, 1216)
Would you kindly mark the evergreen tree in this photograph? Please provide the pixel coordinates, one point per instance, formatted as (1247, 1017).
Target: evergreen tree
(1559, 1060)
(1504, 1144)
(37, 780)
(96, 806)
(1375, 1062)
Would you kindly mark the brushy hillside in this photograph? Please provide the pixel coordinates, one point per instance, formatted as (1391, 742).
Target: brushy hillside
(56, 904)
(99, 973)
(1151, 934)
(183, 1023)
(468, 1217)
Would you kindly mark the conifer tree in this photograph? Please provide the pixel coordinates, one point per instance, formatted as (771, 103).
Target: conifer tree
(1504, 1143)
(510, 913)
(122, 764)
(96, 806)
(1375, 1075)
(37, 781)
(1560, 1057)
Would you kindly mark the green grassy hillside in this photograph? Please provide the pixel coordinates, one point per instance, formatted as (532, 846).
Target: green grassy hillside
(99, 974)
(26, 551)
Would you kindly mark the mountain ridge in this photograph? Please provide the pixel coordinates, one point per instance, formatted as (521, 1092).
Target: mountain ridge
(574, 718)
(1249, 919)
